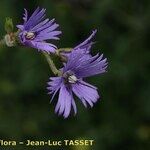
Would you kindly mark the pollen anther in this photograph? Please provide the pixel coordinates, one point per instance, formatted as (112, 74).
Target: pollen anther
(30, 35)
(72, 79)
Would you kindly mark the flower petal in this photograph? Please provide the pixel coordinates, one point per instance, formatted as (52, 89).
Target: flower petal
(21, 27)
(36, 17)
(25, 17)
(54, 85)
(83, 47)
(64, 101)
(86, 45)
(46, 36)
(74, 60)
(86, 93)
(42, 46)
(43, 25)
(92, 66)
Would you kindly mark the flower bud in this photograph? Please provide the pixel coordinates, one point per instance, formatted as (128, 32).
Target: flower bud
(9, 25)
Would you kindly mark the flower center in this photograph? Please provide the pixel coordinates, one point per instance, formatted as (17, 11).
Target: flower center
(69, 77)
(30, 35)
(72, 79)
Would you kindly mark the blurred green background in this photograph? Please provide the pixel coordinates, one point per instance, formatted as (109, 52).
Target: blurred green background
(121, 120)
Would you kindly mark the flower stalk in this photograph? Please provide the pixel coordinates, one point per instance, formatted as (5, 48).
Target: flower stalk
(64, 50)
(51, 64)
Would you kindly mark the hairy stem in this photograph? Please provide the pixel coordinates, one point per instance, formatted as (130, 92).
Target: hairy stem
(64, 49)
(51, 64)
(61, 53)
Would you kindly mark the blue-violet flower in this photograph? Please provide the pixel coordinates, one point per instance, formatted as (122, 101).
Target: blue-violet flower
(35, 31)
(78, 67)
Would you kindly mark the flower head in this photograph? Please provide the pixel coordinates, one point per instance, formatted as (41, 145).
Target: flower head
(78, 67)
(36, 30)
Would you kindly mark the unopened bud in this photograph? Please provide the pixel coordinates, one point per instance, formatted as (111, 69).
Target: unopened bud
(9, 25)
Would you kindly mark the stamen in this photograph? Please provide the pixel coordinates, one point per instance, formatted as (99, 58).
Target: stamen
(72, 79)
(30, 35)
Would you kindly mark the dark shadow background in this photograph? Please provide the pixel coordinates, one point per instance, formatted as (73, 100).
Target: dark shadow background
(121, 120)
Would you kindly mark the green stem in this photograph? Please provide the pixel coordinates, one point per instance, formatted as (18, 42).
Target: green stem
(51, 64)
(60, 50)
(64, 49)
(59, 53)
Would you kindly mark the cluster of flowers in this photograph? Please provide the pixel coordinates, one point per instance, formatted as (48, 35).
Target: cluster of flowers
(34, 32)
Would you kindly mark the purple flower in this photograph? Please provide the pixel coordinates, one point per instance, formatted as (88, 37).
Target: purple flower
(36, 30)
(84, 47)
(78, 67)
